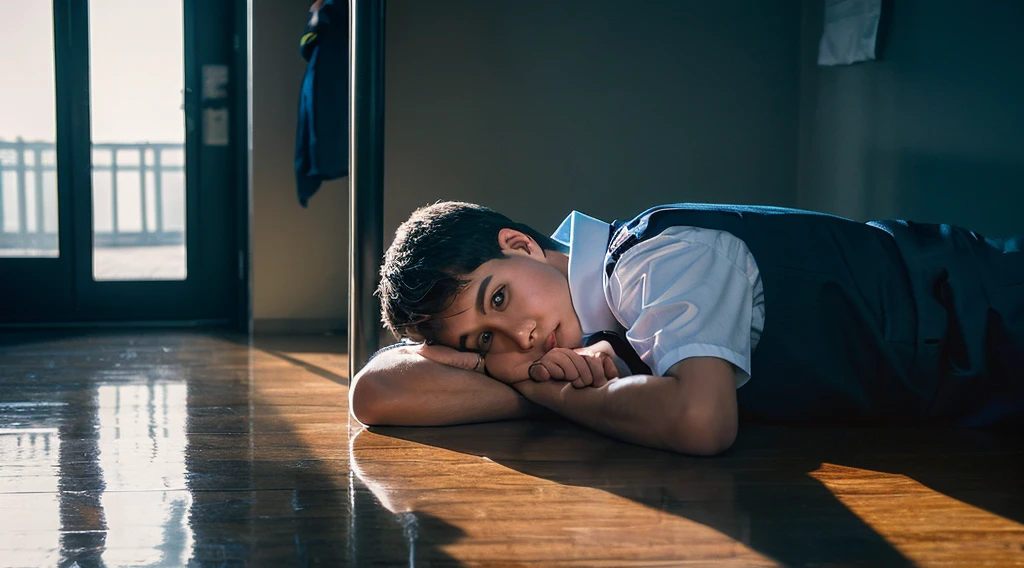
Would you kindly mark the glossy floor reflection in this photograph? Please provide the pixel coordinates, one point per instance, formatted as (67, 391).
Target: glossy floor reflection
(203, 449)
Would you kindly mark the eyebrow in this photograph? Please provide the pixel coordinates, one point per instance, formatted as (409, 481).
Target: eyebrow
(479, 307)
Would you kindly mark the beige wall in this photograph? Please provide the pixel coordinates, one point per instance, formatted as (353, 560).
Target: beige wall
(534, 108)
(299, 263)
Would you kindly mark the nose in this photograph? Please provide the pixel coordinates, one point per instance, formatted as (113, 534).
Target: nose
(522, 333)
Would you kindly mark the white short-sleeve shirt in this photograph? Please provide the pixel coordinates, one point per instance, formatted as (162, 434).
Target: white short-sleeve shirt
(687, 292)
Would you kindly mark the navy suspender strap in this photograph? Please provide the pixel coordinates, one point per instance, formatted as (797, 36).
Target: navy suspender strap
(622, 349)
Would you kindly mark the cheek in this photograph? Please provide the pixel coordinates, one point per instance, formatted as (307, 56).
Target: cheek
(574, 334)
(509, 367)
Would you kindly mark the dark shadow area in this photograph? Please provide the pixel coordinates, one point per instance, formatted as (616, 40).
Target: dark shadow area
(882, 35)
(759, 492)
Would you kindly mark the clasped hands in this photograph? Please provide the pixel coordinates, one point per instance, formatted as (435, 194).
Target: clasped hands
(591, 366)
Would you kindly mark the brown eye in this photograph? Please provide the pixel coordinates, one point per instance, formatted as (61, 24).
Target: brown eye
(485, 341)
(498, 299)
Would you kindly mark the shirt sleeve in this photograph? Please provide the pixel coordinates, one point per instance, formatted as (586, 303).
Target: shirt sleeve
(687, 292)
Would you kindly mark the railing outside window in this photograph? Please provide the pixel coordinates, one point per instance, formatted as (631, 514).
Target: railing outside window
(32, 221)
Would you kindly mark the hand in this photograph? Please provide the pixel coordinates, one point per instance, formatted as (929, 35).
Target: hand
(583, 366)
(468, 360)
(548, 394)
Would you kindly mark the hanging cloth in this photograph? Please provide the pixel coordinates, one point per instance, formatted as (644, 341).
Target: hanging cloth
(322, 137)
(851, 31)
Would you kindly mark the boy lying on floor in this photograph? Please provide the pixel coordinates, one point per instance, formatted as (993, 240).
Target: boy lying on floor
(694, 315)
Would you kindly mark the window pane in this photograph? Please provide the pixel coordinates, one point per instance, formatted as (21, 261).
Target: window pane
(137, 82)
(28, 159)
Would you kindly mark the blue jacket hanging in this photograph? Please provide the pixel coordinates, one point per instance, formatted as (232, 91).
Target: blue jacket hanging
(322, 137)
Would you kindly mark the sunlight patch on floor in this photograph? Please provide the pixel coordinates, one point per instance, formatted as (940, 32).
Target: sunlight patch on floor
(919, 521)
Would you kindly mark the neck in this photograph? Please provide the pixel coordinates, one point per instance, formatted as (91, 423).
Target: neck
(560, 261)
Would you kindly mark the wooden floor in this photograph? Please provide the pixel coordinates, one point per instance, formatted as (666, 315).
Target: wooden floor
(200, 449)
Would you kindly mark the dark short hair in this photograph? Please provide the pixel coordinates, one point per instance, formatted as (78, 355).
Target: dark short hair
(425, 266)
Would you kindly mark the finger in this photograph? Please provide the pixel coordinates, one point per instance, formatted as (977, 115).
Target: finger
(547, 366)
(598, 370)
(586, 374)
(468, 360)
(563, 366)
(610, 368)
(439, 354)
(551, 365)
(538, 372)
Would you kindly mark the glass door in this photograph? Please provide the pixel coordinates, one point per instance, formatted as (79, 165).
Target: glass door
(35, 206)
(121, 179)
(137, 120)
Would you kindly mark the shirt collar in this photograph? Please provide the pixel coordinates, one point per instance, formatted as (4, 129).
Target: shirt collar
(587, 239)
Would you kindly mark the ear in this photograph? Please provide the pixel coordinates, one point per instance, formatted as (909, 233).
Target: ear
(512, 242)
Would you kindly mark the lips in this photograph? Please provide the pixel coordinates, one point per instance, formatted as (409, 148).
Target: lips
(551, 342)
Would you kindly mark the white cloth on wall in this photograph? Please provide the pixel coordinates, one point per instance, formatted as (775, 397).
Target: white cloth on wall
(851, 29)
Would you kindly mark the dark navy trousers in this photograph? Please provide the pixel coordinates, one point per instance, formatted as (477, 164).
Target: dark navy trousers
(969, 293)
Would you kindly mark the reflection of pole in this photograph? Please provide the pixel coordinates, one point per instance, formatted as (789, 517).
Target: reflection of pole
(390, 532)
(366, 177)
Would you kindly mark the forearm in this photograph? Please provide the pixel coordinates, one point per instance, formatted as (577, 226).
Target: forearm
(690, 415)
(402, 388)
(634, 408)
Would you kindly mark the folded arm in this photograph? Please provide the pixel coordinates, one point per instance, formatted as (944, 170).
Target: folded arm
(401, 387)
(691, 410)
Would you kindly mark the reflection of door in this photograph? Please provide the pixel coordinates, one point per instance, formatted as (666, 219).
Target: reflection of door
(119, 162)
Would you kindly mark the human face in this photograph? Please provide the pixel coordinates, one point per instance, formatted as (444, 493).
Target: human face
(514, 309)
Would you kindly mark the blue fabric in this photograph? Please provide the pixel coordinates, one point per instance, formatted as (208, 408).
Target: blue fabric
(322, 136)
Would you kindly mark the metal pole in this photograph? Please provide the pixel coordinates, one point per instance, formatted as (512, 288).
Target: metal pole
(366, 178)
